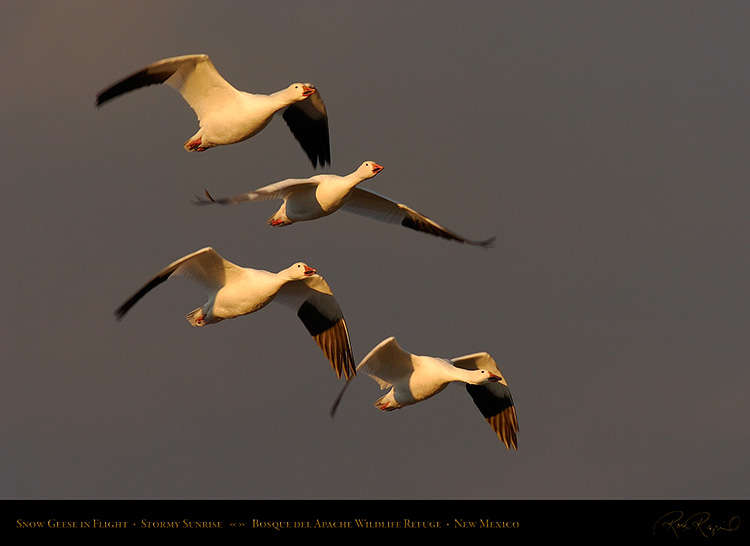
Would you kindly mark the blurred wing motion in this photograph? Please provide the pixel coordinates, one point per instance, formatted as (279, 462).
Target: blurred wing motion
(378, 207)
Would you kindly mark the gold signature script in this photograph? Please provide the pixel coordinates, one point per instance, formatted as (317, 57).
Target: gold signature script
(700, 522)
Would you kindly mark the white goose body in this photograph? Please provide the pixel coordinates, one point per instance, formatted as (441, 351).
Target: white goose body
(234, 291)
(413, 378)
(246, 116)
(318, 196)
(227, 115)
(430, 376)
(252, 290)
(304, 198)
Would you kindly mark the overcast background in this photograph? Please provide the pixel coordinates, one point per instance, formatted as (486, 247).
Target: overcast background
(604, 143)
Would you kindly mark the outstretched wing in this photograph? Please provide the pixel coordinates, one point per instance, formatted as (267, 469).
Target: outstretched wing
(386, 364)
(321, 314)
(378, 207)
(493, 400)
(205, 266)
(194, 76)
(308, 121)
(277, 190)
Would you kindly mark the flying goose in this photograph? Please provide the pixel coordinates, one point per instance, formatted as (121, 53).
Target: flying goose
(234, 291)
(413, 379)
(227, 115)
(323, 194)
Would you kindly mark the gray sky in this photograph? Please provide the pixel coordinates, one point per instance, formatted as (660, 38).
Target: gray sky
(605, 144)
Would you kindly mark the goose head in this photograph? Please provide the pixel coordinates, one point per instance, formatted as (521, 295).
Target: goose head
(298, 271)
(300, 91)
(484, 377)
(368, 169)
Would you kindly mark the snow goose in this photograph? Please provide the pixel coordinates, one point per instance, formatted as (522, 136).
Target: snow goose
(235, 291)
(414, 378)
(227, 115)
(324, 194)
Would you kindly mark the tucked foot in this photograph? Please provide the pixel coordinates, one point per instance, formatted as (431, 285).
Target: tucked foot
(195, 145)
(281, 220)
(196, 317)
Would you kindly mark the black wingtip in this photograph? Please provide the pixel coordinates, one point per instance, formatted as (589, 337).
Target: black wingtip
(104, 97)
(336, 402)
(488, 243)
(318, 161)
(201, 201)
(101, 99)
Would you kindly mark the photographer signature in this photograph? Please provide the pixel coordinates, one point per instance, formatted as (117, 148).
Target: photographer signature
(700, 522)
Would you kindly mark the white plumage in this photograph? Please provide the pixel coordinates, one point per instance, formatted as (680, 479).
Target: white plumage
(320, 195)
(413, 379)
(227, 115)
(234, 291)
